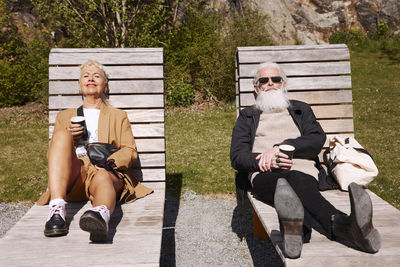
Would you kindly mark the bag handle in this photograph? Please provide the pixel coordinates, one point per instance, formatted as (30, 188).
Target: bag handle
(362, 150)
(328, 163)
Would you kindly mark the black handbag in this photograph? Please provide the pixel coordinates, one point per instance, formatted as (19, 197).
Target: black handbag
(98, 153)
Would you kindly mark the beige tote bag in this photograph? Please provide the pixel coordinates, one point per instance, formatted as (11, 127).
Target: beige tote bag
(347, 161)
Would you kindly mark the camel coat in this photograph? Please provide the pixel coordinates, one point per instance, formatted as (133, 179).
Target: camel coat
(113, 128)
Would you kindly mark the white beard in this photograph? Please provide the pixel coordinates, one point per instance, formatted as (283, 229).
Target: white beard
(272, 101)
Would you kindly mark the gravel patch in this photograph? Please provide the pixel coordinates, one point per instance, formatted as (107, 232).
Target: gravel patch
(198, 231)
(10, 213)
(212, 231)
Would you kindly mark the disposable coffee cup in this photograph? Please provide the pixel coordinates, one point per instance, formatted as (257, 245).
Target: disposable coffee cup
(78, 120)
(287, 149)
(81, 121)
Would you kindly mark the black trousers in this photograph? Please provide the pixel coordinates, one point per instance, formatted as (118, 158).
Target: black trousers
(316, 207)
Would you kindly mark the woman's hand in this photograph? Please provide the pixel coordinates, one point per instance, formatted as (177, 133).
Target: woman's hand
(273, 159)
(76, 130)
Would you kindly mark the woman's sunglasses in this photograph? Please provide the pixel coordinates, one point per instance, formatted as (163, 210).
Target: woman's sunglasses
(274, 79)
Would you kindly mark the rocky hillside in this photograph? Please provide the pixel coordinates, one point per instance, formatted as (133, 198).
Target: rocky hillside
(313, 21)
(291, 21)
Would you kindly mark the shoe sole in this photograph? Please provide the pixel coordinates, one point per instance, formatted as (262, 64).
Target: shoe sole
(361, 206)
(57, 232)
(291, 215)
(96, 228)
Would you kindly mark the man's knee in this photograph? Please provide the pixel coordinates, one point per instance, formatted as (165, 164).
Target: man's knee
(298, 178)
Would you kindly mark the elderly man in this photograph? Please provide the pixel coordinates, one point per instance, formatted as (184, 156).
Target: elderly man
(291, 185)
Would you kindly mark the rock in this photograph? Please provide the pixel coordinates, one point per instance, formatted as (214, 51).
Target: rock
(313, 21)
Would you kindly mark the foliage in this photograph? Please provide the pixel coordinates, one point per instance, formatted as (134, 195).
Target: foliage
(181, 94)
(384, 40)
(353, 38)
(23, 63)
(199, 44)
(202, 50)
(99, 23)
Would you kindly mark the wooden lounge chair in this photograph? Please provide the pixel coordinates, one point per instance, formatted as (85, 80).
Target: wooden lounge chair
(320, 76)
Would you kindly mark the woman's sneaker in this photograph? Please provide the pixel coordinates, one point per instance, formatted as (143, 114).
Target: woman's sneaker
(95, 221)
(56, 224)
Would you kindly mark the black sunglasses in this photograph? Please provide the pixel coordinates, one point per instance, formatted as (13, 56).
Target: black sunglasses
(274, 79)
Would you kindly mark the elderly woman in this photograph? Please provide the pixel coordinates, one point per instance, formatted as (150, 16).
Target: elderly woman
(71, 175)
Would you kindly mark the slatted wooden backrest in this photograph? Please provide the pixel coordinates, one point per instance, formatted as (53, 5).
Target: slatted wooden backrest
(318, 75)
(136, 85)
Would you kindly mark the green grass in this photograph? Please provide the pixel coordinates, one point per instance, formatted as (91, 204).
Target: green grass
(198, 149)
(23, 142)
(376, 98)
(198, 141)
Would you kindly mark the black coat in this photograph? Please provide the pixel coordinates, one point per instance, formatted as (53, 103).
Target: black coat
(307, 146)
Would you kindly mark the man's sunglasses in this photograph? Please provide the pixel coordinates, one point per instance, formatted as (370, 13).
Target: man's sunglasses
(274, 79)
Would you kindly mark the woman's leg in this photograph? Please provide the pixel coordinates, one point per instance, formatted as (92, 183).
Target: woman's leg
(63, 165)
(105, 188)
(63, 169)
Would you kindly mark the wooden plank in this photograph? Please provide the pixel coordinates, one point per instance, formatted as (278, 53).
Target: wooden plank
(107, 50)
(139, 130)
(154, 175)
(118, 101)
(148, 130)
(321, 97)
(150, 145)
(142, 144)
(134, 115)
(116, 87)
(149, 115)
(113, 72)
(333, 111)
(305, 83)
(299, 48)
(337, 126)
(293, 55)
(150, 160)
(107, 58)
(301, 69)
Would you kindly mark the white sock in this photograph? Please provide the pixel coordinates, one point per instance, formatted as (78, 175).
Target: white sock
(57, 201)
(108, 214)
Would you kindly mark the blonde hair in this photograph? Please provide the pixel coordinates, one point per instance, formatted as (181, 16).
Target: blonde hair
(97, 64)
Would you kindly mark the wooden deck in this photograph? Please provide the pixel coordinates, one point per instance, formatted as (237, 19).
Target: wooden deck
(320, 252)
(135, 230)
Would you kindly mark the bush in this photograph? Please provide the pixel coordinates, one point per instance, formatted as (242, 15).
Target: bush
(180, 94)
(23, 63)
(353, 38)
(382, 40)
(201, 51)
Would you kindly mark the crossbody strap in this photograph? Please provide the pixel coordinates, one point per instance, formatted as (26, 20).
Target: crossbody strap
(79, 112)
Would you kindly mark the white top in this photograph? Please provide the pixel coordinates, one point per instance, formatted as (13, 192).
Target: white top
(92, 122)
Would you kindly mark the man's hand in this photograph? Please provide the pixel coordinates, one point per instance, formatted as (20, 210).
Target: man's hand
(273, 159)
